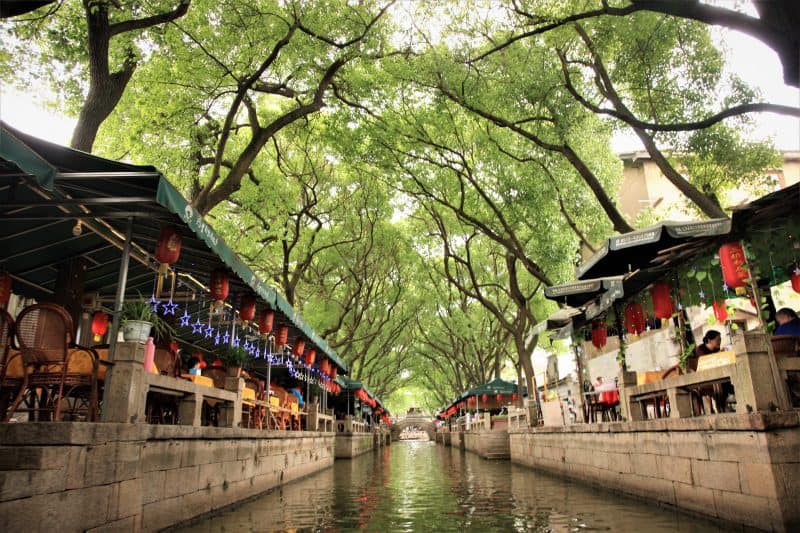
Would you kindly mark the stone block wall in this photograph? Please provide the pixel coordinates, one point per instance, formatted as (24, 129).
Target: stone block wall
(130, 477)
(349, 445)
(738, 468)
(488, 444)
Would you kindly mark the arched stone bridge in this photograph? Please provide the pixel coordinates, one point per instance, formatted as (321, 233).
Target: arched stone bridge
(414, 419)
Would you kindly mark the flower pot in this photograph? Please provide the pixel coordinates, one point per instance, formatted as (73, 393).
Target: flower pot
(234, 371)
(136, 331)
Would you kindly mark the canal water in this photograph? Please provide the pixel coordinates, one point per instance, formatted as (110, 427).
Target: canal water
(419, 486)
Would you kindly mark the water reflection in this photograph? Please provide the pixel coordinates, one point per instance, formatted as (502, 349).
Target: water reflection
(418, 486)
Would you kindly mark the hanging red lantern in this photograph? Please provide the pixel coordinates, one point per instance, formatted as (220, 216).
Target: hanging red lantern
(514, 397)
(720, 310)
(5, 288)
(662, 300)
(265, 320)
(334, 371)
(168, 248)
(484, 398)
(99, 325)
(599, 334)
(734, 265)
(311, 356)
(634, 318)
(325, 367)
(247, 308)
(299, 347)
(282, 335)
(499, 398)
(796, 279)
(219, 286)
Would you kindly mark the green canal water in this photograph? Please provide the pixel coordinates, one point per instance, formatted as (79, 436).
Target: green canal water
(418, 486)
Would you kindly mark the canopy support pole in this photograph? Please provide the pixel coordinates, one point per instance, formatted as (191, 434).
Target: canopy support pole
(122, 282)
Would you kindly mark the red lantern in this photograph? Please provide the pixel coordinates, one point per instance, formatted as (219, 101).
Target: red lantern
(334, 371)
(282, 335)
(599, 334)
(219, 286)
(311, 356)
(99, 325)
(662, 300)
(247, 308)
(634, 318)
(796, 279)
(168, 248)
(514, 397)
(325, 367)
(499, 398)
(265, 320)
(5, 288)
(734, 265)
(299, 347)
(484, 398)
(720, 310)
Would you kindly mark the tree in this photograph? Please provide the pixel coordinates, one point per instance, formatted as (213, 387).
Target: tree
(775, 26)
(90, 61)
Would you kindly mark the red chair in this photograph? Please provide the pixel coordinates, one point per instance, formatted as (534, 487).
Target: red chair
(44, 335)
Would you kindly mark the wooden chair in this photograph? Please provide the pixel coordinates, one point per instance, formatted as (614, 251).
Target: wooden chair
(785, 346)
(44, 335)
(255, 413)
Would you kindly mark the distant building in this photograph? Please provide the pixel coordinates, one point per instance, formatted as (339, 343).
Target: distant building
(644, 186)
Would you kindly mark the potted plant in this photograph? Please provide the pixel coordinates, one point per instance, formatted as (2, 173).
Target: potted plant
(138, 319)
(236, 359)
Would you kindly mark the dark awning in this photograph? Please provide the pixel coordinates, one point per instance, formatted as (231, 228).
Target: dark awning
(644, 248)
(496, 386)
(46, 189)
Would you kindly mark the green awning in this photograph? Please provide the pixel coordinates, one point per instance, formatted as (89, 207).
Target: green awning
(112, 192)
(628, 252)
(496, 386)
(352, 384)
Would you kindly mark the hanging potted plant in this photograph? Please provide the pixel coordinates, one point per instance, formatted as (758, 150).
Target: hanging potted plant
(236, 360)
(139, 319)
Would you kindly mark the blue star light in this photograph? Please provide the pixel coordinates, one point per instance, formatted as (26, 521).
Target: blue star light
(185, 318)
(216, 339)
(154, 302)
(725, 287)
(702, 295)
(209, 331)
(170, 307)
(226, 338)
(246, 346)
(197, 327)
(236, 342)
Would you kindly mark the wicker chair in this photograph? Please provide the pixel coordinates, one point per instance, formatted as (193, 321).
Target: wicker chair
(9, 387)
(44, 335)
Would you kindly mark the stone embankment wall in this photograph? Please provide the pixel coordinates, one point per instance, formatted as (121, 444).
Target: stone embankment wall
(488, 444)
(349, 445)
(739, 468)
(75, 476)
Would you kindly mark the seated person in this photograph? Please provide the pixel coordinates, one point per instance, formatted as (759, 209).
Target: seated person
(712, 341)
(194, 366)
(299, 395)
(788, 322)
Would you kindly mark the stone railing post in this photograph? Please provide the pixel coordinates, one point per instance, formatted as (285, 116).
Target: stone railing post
(231, 414)
(125, 389)
(626, 379)
(313, 417)
(757, 383)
